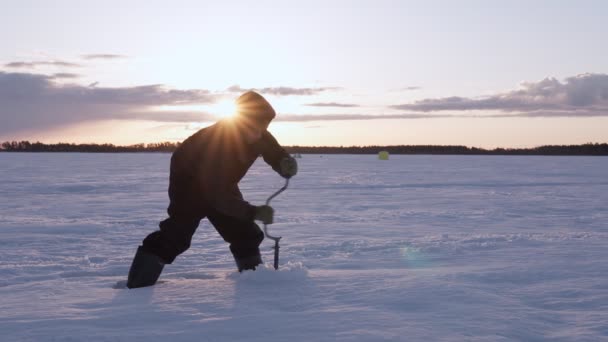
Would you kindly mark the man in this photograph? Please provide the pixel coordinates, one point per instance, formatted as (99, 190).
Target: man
(205, 171)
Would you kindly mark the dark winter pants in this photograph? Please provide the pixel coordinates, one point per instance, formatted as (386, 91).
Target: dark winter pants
(185, 213)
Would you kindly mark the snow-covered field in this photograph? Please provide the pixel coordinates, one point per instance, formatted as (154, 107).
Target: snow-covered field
(451, 248)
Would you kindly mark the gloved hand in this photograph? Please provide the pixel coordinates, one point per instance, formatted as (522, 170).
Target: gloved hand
(289, 167)
(264, 213)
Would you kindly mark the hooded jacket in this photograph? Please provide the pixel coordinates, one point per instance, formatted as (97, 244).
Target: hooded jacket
(209, 165)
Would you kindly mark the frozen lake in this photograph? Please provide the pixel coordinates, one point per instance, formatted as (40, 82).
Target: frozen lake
(415, 248)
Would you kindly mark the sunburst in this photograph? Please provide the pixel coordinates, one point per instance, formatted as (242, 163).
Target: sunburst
(223, 109)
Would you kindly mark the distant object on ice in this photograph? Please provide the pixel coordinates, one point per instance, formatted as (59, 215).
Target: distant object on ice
(383, 155)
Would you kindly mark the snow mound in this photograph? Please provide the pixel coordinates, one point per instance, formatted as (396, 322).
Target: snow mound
(289, 272)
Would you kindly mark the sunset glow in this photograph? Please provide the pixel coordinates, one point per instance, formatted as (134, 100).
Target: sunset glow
(432, 73)
(223, 109)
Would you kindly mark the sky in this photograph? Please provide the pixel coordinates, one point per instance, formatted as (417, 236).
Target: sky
(475, 73)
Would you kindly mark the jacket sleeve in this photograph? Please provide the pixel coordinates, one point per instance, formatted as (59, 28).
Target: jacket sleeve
(223, 196)
(232, 205)
(213, 173)
(272, 152)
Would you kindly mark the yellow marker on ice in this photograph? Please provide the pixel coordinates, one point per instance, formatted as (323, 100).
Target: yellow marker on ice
(383, 155)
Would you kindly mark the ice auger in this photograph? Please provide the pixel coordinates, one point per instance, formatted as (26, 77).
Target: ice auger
(275, 238)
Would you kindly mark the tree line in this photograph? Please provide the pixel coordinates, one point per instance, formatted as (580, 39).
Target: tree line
(589, 149)
(26, 146)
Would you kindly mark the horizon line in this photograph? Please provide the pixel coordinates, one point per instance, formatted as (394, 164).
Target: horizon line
(148, 145)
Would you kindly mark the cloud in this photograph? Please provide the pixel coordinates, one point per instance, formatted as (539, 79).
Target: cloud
(34, 101)
(63, 75)
(581, 95)
(102, 56)
(31, 65)
(407, 88)
(332, 104)
(544, 114)
(283, 91)
(167, 116)
(415, 116)
(349, 117)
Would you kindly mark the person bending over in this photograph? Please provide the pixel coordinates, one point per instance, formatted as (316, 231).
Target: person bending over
(203, 183)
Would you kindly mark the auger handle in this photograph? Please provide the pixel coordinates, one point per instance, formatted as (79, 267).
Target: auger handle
(276, 239)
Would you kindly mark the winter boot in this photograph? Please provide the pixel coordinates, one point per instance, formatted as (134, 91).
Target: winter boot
(145, 269)
(248, 263)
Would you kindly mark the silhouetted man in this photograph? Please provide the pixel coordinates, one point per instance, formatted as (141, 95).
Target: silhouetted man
(204, 176)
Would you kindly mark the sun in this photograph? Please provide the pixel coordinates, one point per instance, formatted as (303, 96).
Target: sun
(223, 109)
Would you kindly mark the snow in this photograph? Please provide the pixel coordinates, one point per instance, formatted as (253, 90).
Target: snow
(415, 248)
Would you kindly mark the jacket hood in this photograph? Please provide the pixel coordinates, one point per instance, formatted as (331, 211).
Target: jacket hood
(254, 106)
